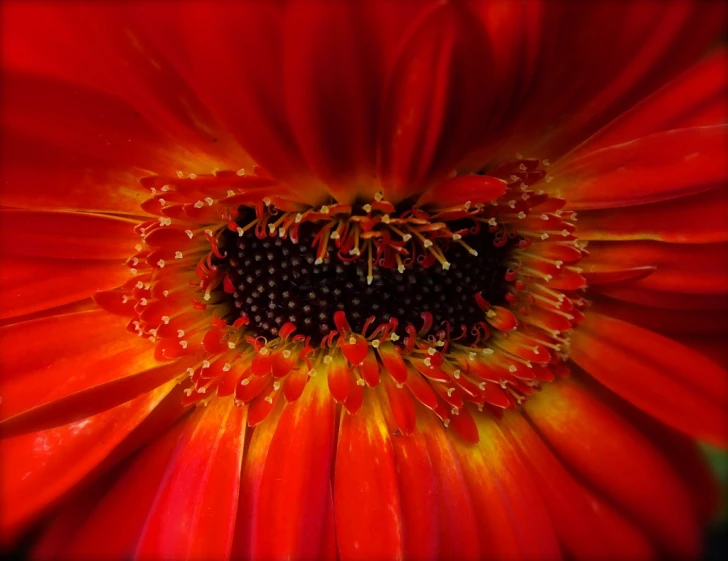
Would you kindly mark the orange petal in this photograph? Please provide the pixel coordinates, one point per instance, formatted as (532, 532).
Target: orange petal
(366, 489)
(37, 468)
(201, 488)
(658, 167)
(673, 383)
(619, 462)
(294, 489)
(30, 284)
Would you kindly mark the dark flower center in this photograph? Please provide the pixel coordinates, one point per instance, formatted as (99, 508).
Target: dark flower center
(278, 281)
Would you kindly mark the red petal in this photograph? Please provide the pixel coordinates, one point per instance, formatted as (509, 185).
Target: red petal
(294, 488)
(496, 396)
(88, 402)
(366, 489)
(66, 235)
(663, 378)
(463, 189)
(690, 100)
(618, 461)
(66, 521)
(355, 398)
(339, 379)
(501, 318)
(200, 488)
(696, 219)
(143, 50)
(512, 520)
(684, 455)
(61, 355)
(464, 425)
(594, 277)
(680, 268)
(458, 532)
(281, 365)
(262, 363)
(75, 180)
(418, 497)
(567, 279)
(662, 299)
(55, 49)
(658, 167)
(612, 57)
(586, 526)
(253, 465)
(294, 384)
(105, 534)
(30, 285)
(263, 405)
(671, 322)
(369, 369)
(333, 107)
(37, 468)
(393, 362)
(355, 349)
(402, 406)
(253, 110)
(422, 390)
(434, 99)
(91, 123)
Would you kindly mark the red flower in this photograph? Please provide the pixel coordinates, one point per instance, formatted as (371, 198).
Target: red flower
(305, 280)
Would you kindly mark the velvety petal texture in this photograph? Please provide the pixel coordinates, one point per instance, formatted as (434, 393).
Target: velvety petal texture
(144, 144)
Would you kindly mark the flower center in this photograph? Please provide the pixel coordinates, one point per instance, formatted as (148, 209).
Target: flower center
(277, 281)
(461, 300)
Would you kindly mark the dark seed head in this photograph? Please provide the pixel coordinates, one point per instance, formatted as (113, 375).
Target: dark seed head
(278, 277)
